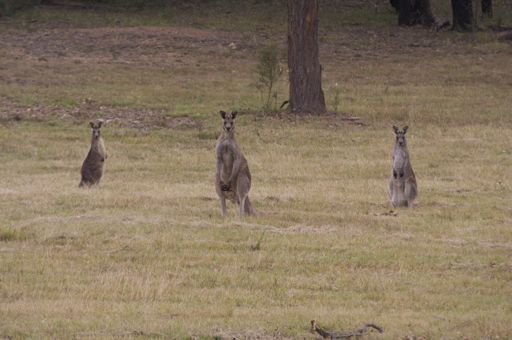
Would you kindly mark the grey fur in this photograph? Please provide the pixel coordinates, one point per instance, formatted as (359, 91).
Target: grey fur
(93, 166)
(232, 176)
(402, 184)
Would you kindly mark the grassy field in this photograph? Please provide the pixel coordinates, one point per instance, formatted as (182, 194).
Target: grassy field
(147, 254)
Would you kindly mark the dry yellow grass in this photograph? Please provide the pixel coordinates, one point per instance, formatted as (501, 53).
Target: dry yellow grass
(147, 254)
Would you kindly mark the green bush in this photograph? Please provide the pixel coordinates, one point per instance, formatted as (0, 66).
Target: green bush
(269, 70)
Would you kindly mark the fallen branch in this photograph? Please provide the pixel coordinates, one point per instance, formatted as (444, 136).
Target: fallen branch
(344, 334)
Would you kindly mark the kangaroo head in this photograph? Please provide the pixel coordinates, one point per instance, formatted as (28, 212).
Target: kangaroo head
(400, 135)
(96, 126)
(228, 120)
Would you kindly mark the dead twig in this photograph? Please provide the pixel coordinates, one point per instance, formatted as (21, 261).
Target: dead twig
(344, 334)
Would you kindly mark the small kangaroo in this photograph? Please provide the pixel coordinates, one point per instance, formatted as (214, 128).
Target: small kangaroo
(402, 184)
(232, 177)
(92, 168)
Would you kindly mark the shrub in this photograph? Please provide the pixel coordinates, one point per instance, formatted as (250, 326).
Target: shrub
(269, 70)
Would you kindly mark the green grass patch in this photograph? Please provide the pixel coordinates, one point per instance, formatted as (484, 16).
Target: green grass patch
(11, 234)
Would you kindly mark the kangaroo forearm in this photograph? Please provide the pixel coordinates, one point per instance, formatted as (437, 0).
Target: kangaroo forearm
(217, 173)
(236, 169)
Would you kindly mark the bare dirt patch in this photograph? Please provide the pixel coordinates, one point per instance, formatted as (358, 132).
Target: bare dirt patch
(87, 110)
(135, 46)
(32, 54)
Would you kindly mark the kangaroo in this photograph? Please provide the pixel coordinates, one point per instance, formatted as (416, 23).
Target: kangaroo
(232, 177)
(402, 184)
(92, 168)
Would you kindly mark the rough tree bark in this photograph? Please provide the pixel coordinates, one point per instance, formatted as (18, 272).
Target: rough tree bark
(306, 94)
(407, 16)
(487, 8)
(395, 4)
(462, 15)
(417, 12)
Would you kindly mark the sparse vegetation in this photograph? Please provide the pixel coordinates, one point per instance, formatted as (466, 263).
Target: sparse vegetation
(257, 246)
(146, 253)
(269, 71)
(11, 234)
(336, 97)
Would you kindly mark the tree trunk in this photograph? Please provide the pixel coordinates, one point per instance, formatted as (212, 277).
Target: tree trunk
(462, 15)
(427, 18)
(417, 12)
(406, 13)
(306, 95)
(487, 8)
(395, 4)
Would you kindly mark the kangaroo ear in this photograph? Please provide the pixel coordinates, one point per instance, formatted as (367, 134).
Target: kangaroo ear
(222, 114)
(100, 122)
(405, 129)
(395, 128)
(233, 114)
(91, 124)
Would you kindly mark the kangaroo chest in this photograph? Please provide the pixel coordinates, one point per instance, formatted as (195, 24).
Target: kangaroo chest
(98, 151)
(100, 148)
(226, 153)
(228, 156)
(400, 159)
(227, 150)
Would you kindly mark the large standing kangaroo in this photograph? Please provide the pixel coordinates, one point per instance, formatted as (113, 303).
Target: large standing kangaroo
(232, 178)
(402, 184)
(92, 168)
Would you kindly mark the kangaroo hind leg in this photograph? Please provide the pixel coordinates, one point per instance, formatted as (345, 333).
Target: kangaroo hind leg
(249, 210)
(410, 193)
(243, 186)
